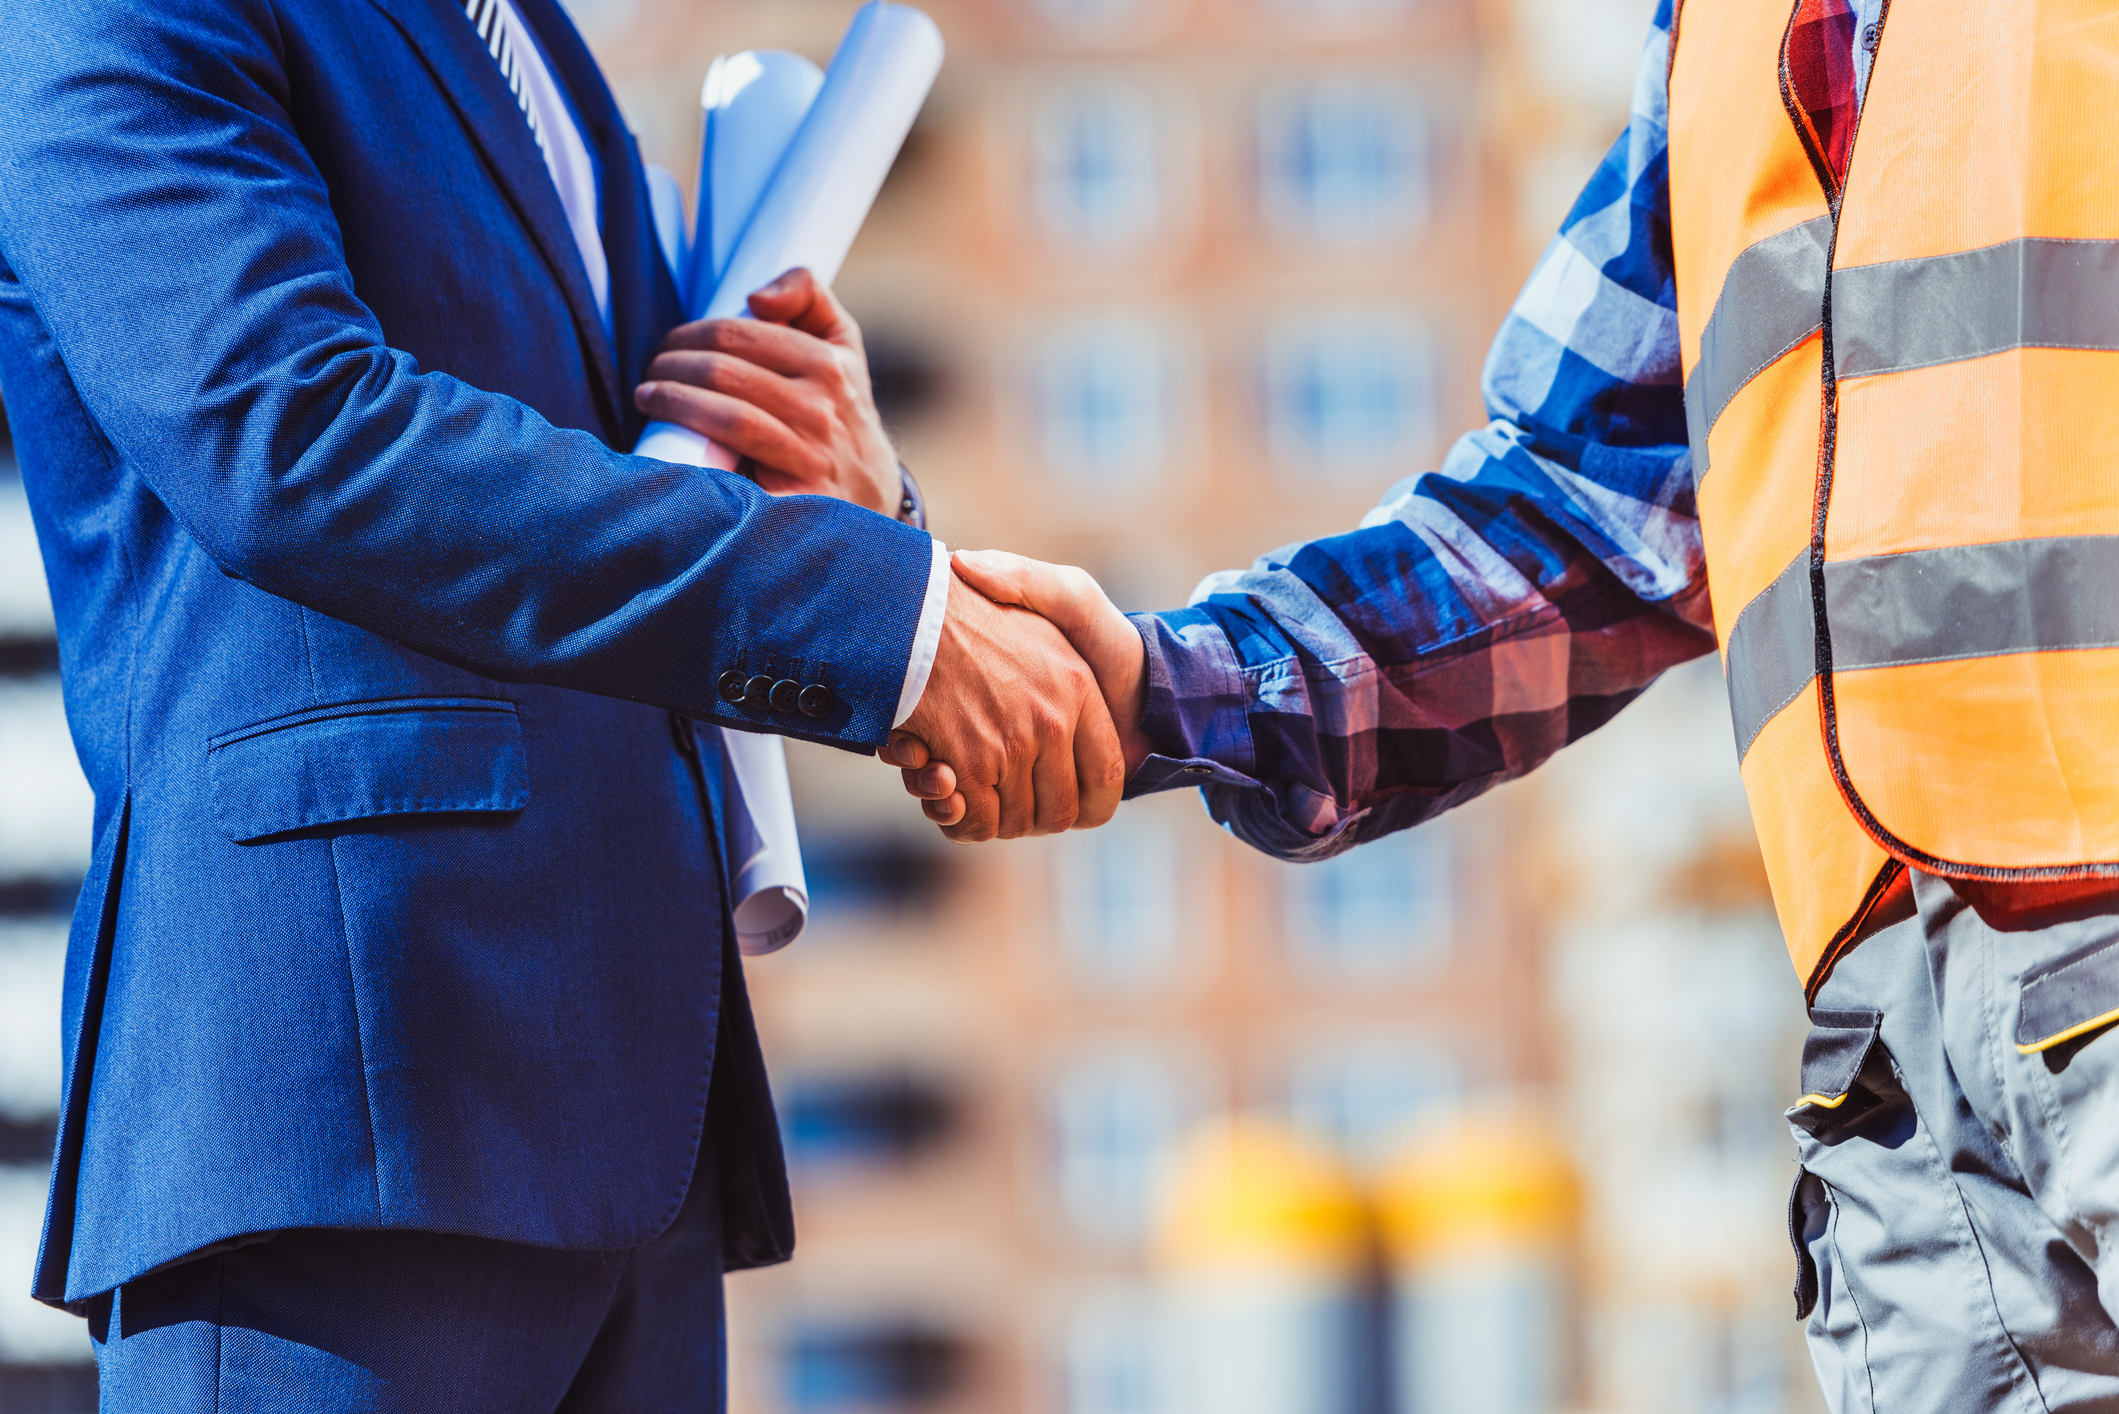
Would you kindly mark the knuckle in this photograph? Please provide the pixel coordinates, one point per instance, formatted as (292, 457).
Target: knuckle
(1106, 774)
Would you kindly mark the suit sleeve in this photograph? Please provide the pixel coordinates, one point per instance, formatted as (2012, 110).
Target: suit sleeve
(177, 241)
(1485, 613)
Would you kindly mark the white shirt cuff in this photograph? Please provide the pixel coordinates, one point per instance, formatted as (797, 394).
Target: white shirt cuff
(928, 638)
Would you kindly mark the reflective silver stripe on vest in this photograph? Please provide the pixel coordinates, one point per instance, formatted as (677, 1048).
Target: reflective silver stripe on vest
(1772, 299)
(1925, 606)
(1772, 652)
(2030, 293)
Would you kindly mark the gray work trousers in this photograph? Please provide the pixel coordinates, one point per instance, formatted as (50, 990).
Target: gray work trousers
(1956, 1218)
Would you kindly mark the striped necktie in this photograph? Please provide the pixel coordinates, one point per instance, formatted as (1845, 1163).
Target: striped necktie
(497, 28)
(557, 133)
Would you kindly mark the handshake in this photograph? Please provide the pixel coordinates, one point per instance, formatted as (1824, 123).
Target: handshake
(1031, 720)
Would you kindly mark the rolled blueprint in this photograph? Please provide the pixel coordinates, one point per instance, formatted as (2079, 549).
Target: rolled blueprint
(755, 102)
(822, 188)
(790, 163)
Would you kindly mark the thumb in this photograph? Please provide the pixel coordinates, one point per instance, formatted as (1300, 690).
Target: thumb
(997, 574)
(1069, 597)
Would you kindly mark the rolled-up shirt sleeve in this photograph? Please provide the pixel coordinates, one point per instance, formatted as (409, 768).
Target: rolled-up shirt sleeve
(1485, 613)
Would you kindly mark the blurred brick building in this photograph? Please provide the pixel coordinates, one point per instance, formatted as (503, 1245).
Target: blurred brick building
(1157, 285)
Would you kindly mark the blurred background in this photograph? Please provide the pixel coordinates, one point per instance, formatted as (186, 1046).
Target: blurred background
(1481, 1119)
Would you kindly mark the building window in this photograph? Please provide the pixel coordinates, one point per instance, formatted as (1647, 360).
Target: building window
(1095, 165)
(864, 1120)
(1104, 391)
(1363, 1098)
(1116, 1121)
(868, 1367)
(1378, 912)
(1343, 160)
(1109, 1362)
(1116, 890)
(873, 873)
(1349, 393)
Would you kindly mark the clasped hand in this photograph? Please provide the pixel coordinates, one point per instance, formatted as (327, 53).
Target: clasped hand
(788, 391)
(1030, 721)
(1025, 643)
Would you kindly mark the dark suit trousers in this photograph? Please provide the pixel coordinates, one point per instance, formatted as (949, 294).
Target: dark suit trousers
(334, 1321)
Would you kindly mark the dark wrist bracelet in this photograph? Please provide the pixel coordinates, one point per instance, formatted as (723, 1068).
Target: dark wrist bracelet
(912, 507)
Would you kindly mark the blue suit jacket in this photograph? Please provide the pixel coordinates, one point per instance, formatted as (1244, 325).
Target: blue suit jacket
(406, 908)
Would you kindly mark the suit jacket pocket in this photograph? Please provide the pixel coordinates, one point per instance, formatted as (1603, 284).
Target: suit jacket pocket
(358, 760)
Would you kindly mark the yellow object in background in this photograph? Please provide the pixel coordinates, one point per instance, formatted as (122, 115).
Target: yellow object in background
(1479, 1181)
(1477, 1217)
(1261, 1285)
(1249, 1190)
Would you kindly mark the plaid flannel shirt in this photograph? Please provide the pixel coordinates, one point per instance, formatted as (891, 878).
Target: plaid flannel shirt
(1487, 613)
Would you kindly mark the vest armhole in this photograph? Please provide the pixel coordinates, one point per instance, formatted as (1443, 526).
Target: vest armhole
(1889, 900)
(1670, 64)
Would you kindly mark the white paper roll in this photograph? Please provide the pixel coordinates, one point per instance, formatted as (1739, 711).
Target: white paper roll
(822, 189)
(755, 103)
(790, 163)
(766, 878)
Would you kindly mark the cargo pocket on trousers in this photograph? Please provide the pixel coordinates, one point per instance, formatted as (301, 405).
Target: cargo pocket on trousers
(1809, 1214)
(2068, 1002)
(1834, 1055)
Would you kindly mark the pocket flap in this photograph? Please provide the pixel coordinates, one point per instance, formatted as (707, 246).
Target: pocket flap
(1833, 1054)
(2069, 996)
(356, 760)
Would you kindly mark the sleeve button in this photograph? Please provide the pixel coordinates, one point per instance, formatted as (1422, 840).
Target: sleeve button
(784, 693)
(758, 692)
(816, 700)
(730, 686)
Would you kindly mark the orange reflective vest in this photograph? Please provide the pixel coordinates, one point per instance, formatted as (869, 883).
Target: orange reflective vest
(1903, 399)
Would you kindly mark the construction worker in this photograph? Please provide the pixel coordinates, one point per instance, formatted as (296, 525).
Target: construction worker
(1834, 330)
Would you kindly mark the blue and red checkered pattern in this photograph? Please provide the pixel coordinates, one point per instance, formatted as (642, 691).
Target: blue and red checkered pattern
(1487, 613)
(1818, 84)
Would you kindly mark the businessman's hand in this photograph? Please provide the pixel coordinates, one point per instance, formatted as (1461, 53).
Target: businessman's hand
(1077, 606)
(1021, 721)
(788, 389)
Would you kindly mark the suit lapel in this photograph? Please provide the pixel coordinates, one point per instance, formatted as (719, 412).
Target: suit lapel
(643, 294)
(472, 82)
